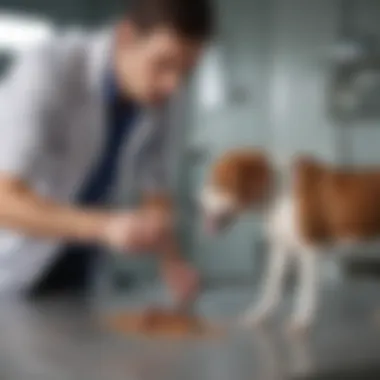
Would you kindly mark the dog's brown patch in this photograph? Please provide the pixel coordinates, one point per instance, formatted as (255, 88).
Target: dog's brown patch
(335, 204)
(245, 174)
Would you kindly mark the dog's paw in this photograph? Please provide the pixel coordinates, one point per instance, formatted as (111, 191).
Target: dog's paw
(298, 327)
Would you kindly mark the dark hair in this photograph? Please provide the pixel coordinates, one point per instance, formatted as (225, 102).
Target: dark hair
(189, 18)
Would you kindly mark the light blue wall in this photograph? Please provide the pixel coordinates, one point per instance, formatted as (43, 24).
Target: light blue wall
(274, 52)
(244, 42)
(278, 52)
(303, 30)
(364, 137)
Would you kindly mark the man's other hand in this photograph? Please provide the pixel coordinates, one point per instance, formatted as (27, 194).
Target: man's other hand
(182, 280)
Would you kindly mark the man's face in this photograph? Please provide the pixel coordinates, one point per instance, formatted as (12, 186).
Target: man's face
(150, 67)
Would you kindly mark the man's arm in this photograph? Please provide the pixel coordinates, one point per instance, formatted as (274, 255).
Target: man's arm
(23, 210)
(27, 96)
(182, 279)
(162, 202)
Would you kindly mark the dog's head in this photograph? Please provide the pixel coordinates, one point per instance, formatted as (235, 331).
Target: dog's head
(239, 180)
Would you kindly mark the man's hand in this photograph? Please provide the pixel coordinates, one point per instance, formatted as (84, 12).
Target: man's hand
(180, 277)
(137, 231)
(183, 281)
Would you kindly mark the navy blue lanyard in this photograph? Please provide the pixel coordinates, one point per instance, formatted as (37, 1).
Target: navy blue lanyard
(120, 119)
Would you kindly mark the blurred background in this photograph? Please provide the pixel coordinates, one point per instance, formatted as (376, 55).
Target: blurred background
(292, 76)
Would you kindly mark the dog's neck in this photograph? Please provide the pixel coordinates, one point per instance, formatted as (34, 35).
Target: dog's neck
(281, 184)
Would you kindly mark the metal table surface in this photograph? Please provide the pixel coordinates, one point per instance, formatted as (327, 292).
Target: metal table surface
(63, 339)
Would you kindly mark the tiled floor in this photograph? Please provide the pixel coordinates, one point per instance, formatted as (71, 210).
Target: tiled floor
(63, 340)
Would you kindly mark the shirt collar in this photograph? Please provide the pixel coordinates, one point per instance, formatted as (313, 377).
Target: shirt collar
(114, 95)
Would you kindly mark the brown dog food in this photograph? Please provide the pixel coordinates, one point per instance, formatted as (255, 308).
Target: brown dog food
(162, 323)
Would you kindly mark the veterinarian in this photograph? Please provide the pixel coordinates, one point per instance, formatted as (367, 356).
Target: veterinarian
(76, 113)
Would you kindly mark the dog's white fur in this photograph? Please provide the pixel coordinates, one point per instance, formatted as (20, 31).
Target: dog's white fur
(285, 245)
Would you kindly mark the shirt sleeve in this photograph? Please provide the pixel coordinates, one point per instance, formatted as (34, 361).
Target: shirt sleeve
(156, 176)
(26, 94)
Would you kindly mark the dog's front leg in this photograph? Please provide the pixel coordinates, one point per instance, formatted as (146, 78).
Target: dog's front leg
(272, 288)
(307, 297)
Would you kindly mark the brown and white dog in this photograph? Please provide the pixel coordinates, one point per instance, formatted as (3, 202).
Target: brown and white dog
(318, 207)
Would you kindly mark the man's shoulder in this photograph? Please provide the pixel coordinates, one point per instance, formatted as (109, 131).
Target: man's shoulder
(63, 61)
(64, 48)
(61, 48)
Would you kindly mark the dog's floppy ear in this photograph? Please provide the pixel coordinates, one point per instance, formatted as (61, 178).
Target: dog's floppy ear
(258, 172)
(244, 174)
(251, 175)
